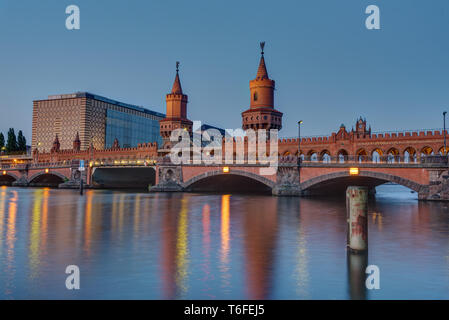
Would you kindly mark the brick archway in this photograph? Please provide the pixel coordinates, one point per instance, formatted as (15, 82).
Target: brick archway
(368, 174)
(8, 174)
(42, 173)
(253, 176)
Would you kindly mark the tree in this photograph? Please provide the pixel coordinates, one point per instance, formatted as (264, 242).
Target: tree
(21, 142)
(2, 140)
(11, 144)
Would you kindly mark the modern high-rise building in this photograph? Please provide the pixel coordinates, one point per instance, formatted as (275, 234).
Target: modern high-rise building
(94, 119)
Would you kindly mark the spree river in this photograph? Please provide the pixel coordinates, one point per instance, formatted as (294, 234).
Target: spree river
(131, 245)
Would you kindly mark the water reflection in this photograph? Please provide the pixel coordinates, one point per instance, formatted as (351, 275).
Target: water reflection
(225, 246)
(199, 246)
(2, 215)
(260, 232)
(182, 250)
(10, 242)
(357, 263)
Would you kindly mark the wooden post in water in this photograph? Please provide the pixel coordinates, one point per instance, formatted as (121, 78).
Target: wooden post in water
(356, 214)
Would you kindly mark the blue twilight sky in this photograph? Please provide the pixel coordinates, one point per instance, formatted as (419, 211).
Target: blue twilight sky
(329, 69)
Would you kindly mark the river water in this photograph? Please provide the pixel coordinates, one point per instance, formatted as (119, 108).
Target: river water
(131, 245)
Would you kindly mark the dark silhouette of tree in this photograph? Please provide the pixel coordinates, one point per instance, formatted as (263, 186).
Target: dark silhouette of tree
(2, 140)
(21, 142)
(11, 144)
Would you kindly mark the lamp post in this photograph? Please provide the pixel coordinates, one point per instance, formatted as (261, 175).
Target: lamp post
(299, 142)
(444, 132)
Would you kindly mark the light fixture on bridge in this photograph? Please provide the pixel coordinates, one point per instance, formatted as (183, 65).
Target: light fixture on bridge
(353, 171)
(4, 172)
(46, 170)
(225, 169)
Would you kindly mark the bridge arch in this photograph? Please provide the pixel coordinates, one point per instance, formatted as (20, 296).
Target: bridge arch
(263, 182)
(47, 178)
(368, 178)
(7, 178)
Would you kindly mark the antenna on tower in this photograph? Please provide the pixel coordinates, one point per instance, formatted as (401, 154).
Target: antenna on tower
(177, 66)
(262, 45)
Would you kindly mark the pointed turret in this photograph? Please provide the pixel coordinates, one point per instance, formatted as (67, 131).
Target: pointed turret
(262, 70)
(116, 144)
(177, 89)
(56, 145)
(77, 143)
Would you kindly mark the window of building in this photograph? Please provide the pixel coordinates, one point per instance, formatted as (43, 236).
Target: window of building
(255, 96)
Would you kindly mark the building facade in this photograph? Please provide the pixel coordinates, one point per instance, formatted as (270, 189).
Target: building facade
(94, 120)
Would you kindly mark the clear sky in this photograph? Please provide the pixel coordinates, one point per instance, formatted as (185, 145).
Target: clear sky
(329, 69)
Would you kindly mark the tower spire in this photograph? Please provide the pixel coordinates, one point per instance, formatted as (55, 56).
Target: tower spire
(262, 70)
(177, 89)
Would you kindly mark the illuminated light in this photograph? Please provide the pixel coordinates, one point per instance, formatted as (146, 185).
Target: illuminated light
(91, 164)
(225, 169)
(353, 171)
(47, 170)
(4, 172)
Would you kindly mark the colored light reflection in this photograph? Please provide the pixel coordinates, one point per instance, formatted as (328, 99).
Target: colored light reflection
(182, 250)
(225, 227)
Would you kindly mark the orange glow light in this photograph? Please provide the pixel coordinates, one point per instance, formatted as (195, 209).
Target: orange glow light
(4, 172)
(46, 170)
(354, 171)
(225, 169)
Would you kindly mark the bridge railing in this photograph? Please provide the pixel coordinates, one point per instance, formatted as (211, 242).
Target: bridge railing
(122, 163)
(388, 159)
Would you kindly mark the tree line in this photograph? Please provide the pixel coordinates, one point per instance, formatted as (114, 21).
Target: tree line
(13, 143)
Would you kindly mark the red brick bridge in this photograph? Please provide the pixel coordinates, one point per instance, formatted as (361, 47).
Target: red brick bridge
(406, 158)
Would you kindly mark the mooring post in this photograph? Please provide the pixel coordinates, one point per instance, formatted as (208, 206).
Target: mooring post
(356, 214)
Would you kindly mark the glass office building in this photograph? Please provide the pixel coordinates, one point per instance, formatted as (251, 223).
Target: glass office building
(131, 129)
(97, 120)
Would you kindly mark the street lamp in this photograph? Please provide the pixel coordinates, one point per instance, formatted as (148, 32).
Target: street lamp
(444, 132)
(299, 142)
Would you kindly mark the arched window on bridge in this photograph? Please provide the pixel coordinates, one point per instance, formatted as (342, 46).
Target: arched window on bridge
(361, 155)
(325, 156)
(426, 151)
(377, 156)
(314, 157)
(342, 156)
(441, 151)
(410, 155)
(393, 155)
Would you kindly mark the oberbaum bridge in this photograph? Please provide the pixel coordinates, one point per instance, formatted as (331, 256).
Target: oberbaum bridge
(306, 166)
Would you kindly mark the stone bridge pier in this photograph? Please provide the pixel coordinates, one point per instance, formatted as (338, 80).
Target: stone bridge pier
(438, 188)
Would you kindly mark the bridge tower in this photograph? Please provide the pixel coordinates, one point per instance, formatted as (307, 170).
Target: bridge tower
(176, 112)
(77, 143)
(56, 145)
(261, 113)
